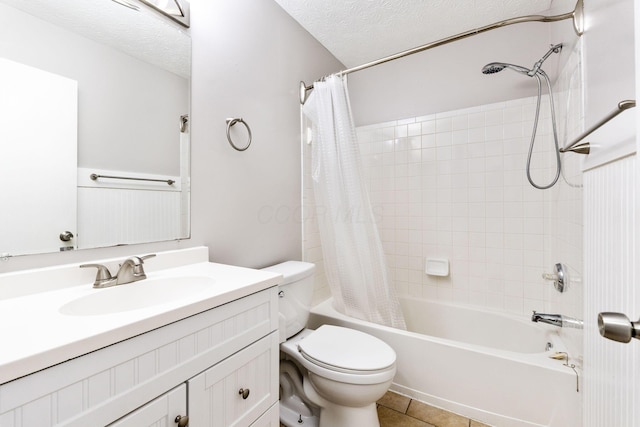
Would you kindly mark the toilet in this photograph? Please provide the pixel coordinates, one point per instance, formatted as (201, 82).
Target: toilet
(331, 376)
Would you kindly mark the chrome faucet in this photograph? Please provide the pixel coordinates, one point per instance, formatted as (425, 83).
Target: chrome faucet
(557, 320)
(103, 276)
(131, 270)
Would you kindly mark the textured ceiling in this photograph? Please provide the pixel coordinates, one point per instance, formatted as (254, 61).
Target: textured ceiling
(359, 31)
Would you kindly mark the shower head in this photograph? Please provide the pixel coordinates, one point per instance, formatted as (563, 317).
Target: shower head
(492, 68)
(496, 67)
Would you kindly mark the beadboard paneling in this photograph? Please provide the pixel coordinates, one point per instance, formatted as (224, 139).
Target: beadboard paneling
(611, 373)
(112, 216)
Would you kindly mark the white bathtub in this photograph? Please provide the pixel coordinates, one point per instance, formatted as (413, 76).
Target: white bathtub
(483, 365)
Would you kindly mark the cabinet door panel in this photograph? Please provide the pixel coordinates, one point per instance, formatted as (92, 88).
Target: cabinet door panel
(214, 396)
(160, 412)
(271, 418)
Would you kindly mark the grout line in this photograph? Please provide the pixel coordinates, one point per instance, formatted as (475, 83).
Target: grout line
(469, 420)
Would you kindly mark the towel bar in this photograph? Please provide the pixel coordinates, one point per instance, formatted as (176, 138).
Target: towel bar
(233, 121)
(576, 146)
(95, 176)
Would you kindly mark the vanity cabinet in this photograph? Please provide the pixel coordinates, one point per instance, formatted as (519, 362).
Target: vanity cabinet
(198, 364)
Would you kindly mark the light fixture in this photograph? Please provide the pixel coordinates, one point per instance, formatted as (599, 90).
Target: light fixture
(178, 10)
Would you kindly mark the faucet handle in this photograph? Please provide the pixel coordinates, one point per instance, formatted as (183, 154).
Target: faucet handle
(136, 272)
(559, 277)
(137, 268)
(103, 275)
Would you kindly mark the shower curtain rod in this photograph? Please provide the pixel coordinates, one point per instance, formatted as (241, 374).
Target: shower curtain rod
(578, 25)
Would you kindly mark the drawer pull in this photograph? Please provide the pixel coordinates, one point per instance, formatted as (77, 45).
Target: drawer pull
(182, 421)
(244, 392)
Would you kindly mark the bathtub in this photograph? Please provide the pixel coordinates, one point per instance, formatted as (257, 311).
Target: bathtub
(486, 366)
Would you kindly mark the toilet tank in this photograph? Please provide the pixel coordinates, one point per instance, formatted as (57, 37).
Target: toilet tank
(295, 295)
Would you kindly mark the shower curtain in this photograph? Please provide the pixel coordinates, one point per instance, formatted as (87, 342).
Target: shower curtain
(353, 256)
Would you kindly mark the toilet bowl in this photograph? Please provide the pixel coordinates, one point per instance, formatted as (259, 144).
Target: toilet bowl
(331, 376)
(344, 373)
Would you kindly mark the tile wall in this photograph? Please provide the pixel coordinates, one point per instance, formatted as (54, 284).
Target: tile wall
(564, 203)
(452, 186)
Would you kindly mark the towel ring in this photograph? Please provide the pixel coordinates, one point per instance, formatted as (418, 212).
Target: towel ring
(233, 121)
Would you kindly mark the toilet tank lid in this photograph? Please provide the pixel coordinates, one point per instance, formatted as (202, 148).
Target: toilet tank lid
(292, 270)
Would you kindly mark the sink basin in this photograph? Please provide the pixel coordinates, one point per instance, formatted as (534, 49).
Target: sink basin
(137, 295)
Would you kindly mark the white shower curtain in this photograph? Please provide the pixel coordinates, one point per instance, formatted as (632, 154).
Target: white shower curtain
(353, 256)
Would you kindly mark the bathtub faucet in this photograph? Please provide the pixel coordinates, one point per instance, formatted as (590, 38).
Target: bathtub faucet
(557, 320)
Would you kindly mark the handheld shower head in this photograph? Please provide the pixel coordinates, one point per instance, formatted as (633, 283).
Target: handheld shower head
(492, 68)
(496, 67)
(537, 72)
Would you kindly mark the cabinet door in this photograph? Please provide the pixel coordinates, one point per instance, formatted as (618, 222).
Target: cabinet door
(160, 412)
(271, 418)
(238, 390)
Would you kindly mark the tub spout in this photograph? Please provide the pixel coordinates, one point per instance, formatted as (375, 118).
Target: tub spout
(557, 320)
(551, 319)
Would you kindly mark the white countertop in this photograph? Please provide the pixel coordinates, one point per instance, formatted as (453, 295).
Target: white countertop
(35, 335)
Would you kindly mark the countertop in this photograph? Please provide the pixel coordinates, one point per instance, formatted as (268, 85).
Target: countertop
(36, 335)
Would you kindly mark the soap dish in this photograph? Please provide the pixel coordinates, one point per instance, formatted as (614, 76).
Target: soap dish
(437, 267)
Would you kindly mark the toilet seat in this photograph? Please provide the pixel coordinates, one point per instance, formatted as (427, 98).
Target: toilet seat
(332, 352)
(347, 350)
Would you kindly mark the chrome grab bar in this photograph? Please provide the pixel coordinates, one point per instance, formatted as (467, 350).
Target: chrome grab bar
(94, 177)
(576, 146)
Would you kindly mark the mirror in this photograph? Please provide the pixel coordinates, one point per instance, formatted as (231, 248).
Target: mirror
(94, 123)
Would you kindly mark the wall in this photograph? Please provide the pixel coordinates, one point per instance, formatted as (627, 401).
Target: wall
(449, 77)
(609, 78)
(116, 212)
(563, 215)
(452, 186)
(611, 376)
(248, 57)
(611, 176)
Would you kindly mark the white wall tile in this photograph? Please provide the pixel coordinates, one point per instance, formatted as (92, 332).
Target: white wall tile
(443, 124)
(475, 206)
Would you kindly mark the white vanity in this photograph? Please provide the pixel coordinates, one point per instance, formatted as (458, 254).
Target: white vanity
(210, 355)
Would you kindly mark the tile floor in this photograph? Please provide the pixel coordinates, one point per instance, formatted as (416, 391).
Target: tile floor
(396, 410)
